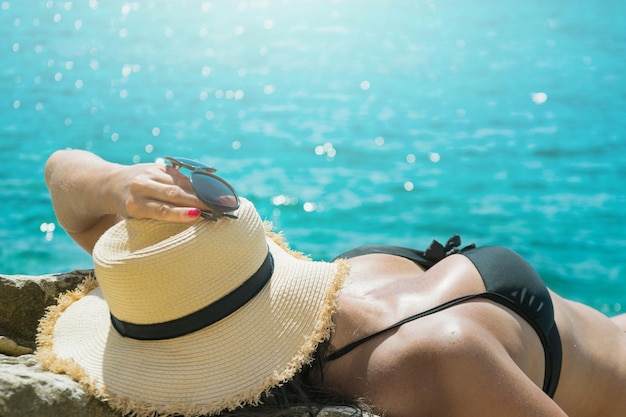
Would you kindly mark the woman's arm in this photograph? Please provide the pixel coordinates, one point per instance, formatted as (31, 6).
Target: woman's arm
(90, 194)
(620, 320)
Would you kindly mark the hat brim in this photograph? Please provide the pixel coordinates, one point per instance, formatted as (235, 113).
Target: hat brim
(221, 367)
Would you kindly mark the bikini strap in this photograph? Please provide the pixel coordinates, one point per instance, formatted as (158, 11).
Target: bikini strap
(346, 349)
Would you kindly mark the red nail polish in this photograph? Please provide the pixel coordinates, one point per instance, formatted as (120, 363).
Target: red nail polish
(194, 212)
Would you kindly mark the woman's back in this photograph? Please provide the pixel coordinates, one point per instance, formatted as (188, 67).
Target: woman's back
(460, 359)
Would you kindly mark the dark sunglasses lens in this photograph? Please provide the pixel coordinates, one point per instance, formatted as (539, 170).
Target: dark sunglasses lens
(214, 192)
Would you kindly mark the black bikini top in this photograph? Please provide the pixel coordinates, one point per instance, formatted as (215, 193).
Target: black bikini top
(509, 280)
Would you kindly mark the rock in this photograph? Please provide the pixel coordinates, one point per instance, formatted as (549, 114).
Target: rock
(9, 347)
(24, 298)
(339, 412)
(27, 390)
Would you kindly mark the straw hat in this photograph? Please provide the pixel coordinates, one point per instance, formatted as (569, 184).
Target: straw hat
(215, 314)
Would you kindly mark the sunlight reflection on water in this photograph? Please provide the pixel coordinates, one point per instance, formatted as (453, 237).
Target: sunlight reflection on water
(386, 122)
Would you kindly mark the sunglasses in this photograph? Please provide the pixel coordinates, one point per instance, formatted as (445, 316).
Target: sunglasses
(212, 190)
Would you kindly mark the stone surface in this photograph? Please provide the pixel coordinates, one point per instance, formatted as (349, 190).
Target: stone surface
(339, 412)
(24, 298)
(9, 347)
(26, 389)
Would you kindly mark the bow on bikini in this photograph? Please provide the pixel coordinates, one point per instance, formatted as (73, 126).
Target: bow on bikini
(436, 251)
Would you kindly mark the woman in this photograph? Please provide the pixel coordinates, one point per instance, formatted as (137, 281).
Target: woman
(446, 332)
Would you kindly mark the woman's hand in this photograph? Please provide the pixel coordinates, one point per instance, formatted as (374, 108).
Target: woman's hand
(90, 194)
(154, 191)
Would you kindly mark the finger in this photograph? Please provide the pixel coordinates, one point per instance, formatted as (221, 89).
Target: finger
(162, 202)
(161, 211)
(170, 175)
(176, 214)
(175, 195)
(167, 174)
(145, 189)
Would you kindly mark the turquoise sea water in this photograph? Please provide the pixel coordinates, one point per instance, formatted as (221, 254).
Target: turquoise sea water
(345, 122)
